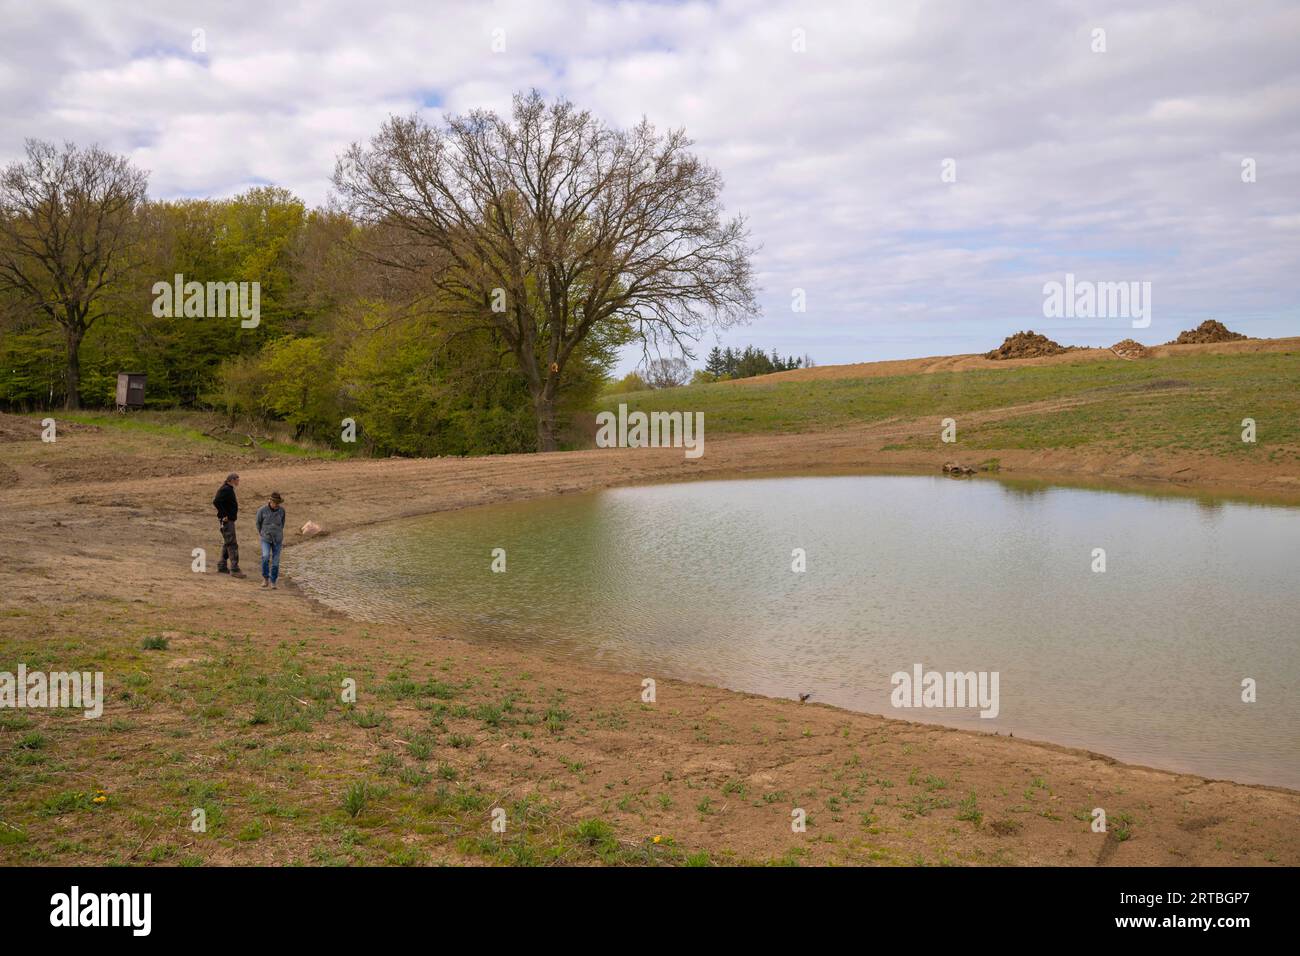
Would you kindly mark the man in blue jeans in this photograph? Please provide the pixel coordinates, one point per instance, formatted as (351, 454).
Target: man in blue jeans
(270, 528)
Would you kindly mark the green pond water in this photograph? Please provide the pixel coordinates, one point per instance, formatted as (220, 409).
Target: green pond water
(1144, 662)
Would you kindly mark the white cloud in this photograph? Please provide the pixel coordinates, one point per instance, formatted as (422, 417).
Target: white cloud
(1121, 165)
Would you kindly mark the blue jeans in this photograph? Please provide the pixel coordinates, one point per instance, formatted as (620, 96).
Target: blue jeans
(271, 559)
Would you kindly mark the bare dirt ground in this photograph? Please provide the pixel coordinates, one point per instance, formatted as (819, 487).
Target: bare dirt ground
(96, 532)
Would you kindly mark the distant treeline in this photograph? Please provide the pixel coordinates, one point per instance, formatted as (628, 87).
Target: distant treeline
(721, 364)
(748, 362)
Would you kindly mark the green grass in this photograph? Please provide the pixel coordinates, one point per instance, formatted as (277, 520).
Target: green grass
(184, 425)
(1187, 402)
(247, 751)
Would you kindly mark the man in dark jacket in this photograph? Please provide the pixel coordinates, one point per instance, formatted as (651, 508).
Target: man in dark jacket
(227, 513)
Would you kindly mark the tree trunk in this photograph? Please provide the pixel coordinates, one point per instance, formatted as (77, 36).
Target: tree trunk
(72, 400)
(547, 426)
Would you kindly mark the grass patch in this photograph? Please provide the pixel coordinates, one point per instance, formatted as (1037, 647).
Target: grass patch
(1183, 402)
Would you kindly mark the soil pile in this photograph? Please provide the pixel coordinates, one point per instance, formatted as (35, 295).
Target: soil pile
(1208, 331)
(1026, 345)
(1130, 349)
(14, 428)
(18, 428)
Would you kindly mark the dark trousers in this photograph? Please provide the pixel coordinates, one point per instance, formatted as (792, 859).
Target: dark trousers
(229, 547)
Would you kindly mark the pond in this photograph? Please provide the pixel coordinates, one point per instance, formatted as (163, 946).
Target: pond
(1144, 661)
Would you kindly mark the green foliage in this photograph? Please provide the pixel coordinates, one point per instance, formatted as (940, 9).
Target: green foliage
(631, 382)
(748, 363)
(416, 390)
(31, 366)
(252, 237)
(299, 385)
(327, 347)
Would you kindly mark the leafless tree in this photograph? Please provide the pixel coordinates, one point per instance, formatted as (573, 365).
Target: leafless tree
(67, 230)
(667, 372)
(548, 224)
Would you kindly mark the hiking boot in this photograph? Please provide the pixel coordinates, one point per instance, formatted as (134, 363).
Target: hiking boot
(238, 574)
(266, 582)
(274, 586)
(221, 570)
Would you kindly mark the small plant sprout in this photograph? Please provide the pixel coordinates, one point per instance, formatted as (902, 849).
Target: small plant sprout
(354, 801)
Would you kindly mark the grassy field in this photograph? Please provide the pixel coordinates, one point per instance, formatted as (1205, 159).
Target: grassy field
(263, 745)
(1190, 403)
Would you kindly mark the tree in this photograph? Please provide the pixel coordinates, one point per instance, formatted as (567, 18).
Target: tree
(667, 372)
(68, 229)
(631, 382)
(715, 365)
(547, 225)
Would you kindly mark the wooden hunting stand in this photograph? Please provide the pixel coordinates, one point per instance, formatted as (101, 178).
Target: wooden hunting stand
(130, 391)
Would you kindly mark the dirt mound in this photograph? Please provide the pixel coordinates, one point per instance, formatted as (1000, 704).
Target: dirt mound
(1130, 349)
(1026, 345)
(14, 428)
(1208, 331)
(18, 428)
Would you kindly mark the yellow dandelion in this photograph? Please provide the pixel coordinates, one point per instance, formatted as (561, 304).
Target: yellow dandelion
(659, 839)
(100, 799)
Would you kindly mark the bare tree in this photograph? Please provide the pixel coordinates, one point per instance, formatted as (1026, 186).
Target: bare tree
(67, 228)
(667, 372)
(549, 224)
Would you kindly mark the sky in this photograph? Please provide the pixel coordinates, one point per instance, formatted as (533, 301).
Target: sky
(918, 171)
